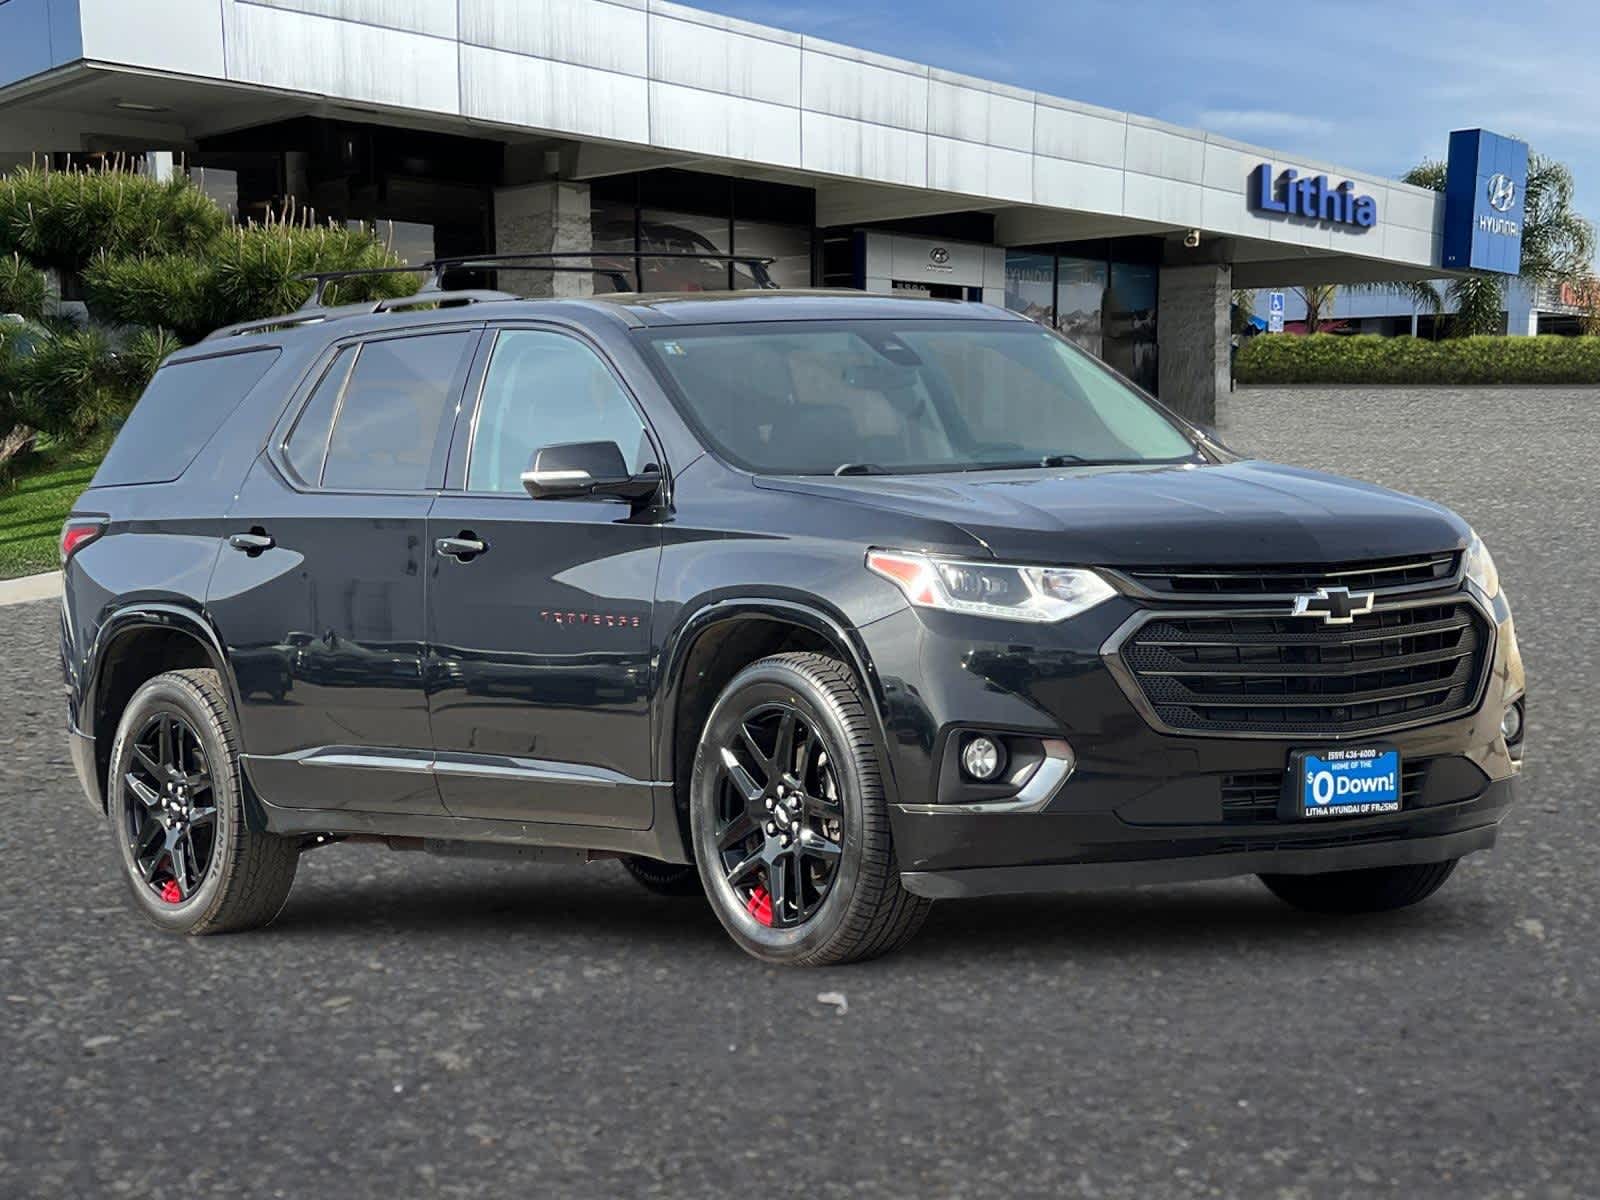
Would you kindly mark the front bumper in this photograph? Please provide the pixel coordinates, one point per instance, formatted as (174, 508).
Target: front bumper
(1062, 855)
(1143, 804)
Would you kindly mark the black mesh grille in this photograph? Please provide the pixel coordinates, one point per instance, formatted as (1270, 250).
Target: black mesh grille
(1289, 675)
(1416, 572)
(1253, 796)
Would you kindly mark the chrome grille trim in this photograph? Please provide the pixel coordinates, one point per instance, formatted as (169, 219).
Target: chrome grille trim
(1364, 631)
(1385, 578)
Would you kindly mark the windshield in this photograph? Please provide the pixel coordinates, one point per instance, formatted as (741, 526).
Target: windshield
(868, 397)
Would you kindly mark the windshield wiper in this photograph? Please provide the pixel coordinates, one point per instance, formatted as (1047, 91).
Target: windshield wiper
(861, 468)
(1051, 460)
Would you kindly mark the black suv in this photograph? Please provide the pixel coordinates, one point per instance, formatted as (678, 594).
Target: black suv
(824, 604)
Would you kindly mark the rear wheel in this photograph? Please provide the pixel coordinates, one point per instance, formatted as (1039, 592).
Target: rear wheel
(790, 826)
(1376, 889)
(175, 806)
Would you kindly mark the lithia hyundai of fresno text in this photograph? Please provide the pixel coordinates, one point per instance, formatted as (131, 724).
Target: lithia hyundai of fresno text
(824, 605)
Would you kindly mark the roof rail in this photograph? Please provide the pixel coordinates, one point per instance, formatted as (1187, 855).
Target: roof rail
(284, 322)
(418, 299)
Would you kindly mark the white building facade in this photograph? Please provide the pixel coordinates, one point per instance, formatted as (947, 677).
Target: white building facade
(467, 126)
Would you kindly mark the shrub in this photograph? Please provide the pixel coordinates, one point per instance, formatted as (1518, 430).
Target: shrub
(247, 273)
(22, 288)
(160, 265)
(65, 219)
(70, 384)
(1329, 358)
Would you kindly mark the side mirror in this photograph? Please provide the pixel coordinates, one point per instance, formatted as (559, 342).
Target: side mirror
(577, 469)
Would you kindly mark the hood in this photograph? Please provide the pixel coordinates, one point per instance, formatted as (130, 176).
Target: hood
(1240, 513)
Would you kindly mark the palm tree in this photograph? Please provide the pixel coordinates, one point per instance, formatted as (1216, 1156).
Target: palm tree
(1558, 246)
(1318, 299)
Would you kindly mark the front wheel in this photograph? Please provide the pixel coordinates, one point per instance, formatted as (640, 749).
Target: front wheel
(789, 821)
(1375, 889)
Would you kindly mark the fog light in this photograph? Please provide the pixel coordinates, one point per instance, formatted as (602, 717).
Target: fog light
(1511, 724)
(982, 758)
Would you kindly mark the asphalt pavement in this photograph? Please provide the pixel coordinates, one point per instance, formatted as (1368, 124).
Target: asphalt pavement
(414, 1026)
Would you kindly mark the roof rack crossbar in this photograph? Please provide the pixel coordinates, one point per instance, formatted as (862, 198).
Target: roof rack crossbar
(321, 280)
(551, 260)
(315, 308)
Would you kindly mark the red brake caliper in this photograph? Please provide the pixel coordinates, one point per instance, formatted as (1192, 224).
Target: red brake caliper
(170, 892)
(759, 905)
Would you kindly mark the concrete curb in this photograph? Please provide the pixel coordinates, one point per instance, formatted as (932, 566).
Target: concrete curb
(30, 588)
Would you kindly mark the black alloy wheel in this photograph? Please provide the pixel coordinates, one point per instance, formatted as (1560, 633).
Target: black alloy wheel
(176, 807)
(169, 808)
(779, 819)
(788, 819)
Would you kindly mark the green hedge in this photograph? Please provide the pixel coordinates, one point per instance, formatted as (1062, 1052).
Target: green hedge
(1329, 358)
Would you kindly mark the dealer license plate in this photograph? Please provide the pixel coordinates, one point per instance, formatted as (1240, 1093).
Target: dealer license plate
(1350, 781)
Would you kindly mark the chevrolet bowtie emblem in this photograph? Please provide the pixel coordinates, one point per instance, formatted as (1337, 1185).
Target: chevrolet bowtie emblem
(1336, 605)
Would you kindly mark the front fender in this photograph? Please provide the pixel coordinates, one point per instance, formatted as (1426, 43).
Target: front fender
(810, 615)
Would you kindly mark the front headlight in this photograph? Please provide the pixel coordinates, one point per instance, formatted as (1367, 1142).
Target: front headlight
(1037, 594)
(1481, 569)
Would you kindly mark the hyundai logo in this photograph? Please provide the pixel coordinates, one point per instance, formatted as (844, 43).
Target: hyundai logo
(1335, 605)
(1502, 192)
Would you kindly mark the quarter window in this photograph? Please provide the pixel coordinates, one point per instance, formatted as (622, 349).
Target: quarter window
(184, 406)
(546, 389)
(307, 444)
(387, 427)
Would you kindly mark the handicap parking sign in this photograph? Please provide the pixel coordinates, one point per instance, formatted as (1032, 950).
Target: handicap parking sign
(1274, 312)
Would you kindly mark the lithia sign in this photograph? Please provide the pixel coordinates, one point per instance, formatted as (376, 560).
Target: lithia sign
(1311, 198)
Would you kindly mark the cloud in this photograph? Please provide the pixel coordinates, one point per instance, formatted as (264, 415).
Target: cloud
(1256, 121)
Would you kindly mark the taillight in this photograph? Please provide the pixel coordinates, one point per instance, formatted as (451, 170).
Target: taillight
(77, 533)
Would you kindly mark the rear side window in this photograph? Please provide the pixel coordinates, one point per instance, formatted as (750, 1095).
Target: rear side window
(389, 420)
(185, 404)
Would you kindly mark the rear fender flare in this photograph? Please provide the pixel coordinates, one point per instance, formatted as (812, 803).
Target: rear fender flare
(173, 618)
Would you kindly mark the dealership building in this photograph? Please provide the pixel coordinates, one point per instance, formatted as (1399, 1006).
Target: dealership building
(467, 126)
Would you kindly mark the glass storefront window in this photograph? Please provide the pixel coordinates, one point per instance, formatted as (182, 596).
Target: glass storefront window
(410, 241)
(611, 228)
(682, 233)
(788, 244)
(1130, 330)
(1030, 280)
(1080, 302)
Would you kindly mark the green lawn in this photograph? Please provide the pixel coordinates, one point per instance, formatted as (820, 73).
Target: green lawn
(32, 510)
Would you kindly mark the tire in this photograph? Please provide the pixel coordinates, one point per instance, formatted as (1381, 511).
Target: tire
(233, 877)
(831, 891)
(1376, 889)
(662, 878)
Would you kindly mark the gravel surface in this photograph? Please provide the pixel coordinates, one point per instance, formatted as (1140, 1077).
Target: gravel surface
(418, 1027)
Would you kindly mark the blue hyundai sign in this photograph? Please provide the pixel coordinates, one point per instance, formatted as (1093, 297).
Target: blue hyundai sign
(1483, 202)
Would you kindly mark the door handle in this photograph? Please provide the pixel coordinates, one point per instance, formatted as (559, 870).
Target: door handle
(464, 547)
(251, 543)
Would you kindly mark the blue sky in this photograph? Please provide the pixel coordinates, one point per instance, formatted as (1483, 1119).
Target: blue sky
(1369, 85)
